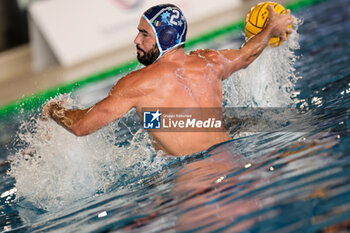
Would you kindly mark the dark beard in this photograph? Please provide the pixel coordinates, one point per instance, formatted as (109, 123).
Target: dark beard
(148, 57)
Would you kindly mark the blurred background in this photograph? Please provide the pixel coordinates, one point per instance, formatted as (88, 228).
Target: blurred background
(13, 23)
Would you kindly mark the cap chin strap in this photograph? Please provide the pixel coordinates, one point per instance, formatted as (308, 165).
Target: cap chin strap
(161, 51)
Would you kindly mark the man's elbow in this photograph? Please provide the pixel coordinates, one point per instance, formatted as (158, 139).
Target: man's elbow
(78, 131)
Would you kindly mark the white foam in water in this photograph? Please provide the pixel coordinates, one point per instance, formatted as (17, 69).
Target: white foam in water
(268, 81)
(58, 168)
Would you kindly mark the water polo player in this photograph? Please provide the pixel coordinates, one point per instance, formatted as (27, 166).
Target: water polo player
(171, 79)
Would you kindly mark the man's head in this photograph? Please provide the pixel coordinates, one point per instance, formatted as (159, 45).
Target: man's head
(162, 28)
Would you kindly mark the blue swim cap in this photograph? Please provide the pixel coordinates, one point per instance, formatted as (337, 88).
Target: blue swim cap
(169, 26)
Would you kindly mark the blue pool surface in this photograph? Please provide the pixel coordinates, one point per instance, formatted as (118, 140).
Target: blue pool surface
(277, 181)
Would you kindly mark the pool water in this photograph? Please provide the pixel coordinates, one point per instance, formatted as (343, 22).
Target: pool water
(284, 179)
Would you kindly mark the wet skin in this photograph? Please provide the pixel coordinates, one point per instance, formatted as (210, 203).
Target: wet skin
(175, 80)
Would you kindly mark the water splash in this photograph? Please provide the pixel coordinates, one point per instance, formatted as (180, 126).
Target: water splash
(269, 80)
(57, 168)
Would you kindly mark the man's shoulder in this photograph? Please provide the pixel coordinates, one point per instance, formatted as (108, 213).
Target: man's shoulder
(140, 80)
(210, 55)
(156, 72)
(136, 76)
(205, 52)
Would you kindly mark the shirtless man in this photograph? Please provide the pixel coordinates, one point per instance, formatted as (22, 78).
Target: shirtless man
(171, 79)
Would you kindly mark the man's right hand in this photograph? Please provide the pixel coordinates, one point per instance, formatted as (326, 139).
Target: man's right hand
(278, 25)
(45, 114)
(49, 107)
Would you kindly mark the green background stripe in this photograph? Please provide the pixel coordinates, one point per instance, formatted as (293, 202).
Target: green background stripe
(34, 101)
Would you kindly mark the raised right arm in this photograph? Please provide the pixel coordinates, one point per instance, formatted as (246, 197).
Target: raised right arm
(278, 25)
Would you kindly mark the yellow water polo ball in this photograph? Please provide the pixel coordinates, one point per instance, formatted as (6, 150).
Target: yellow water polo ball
(256, 20)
